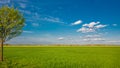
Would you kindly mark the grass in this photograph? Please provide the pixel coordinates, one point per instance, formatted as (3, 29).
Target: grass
(61, 57)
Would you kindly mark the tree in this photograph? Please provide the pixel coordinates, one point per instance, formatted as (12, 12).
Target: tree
(11, 24)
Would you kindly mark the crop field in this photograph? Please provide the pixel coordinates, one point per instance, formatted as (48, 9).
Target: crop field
(61, 57)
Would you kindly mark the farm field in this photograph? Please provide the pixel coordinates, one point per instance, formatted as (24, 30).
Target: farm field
(61, 57)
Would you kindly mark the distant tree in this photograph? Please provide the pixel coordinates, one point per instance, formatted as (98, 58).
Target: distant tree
(11, 24)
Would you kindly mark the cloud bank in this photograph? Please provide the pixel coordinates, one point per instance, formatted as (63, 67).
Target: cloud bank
(91, 27)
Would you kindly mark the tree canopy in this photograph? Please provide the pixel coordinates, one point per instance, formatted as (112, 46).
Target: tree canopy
(11, 23)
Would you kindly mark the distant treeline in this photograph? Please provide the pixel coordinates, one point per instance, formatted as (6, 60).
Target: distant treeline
(60, 45)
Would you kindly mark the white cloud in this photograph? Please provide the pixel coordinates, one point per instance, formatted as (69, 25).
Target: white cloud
(27, 31)
(35, 24)
(114, 41)
(25, 11)
(4, 1)
(77, 22)
(52, 19)
(93, 38)
(85, 30)
(61, 38)
(91, 27)
(98, 39)
(114, 24)
(100, 26)
(39, 17)
(86, 39)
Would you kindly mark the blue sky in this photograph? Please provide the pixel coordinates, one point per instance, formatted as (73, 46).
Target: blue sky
(68, 21)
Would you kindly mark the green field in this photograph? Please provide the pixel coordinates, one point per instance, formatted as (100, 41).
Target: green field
(61, 57)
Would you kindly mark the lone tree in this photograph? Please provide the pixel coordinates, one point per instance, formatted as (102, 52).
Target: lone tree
(11, 24)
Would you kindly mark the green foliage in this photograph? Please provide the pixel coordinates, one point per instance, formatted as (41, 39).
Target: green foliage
(11, 23)
(61, 57)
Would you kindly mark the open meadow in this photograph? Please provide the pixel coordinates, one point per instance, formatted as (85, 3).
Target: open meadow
(59, 33)
(61, 57)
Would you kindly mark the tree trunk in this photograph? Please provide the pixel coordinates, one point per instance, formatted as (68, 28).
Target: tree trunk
(1, 50)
